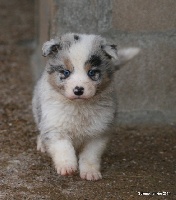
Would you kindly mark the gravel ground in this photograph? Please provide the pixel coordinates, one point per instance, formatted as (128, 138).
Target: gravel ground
(139, 159)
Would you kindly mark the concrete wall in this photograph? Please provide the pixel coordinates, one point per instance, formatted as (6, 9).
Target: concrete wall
(146, 87)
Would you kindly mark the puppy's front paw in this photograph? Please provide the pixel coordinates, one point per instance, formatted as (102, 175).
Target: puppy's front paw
(92, 175)
(66, 169)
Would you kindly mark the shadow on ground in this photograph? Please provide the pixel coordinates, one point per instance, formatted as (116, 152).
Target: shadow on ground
(139, 159)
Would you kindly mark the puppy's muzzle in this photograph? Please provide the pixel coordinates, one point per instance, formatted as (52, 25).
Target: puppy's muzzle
(78, 91)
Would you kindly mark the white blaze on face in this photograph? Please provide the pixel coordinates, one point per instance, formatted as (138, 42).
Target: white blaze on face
(78, 54)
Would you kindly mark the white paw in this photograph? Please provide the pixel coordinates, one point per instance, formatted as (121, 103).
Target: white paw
(91, 175)
(65, 170)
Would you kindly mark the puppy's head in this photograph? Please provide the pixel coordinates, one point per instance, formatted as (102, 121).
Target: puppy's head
(81, 66)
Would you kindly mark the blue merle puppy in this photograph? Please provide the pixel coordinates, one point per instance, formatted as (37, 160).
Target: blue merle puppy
(73, 103)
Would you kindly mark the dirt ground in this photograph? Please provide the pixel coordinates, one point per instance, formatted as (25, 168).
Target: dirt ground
(139, 159)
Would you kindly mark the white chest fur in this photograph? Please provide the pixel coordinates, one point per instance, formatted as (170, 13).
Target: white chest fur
(75, 119)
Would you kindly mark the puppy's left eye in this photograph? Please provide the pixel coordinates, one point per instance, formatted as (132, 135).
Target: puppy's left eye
(94, 74)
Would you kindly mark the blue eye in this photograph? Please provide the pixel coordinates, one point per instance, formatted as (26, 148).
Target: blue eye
(91, 72)
(66, 73)
(94, 74)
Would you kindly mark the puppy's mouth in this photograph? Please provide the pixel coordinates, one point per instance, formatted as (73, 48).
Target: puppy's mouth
(77, 98)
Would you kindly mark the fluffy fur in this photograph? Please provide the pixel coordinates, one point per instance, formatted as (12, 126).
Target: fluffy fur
(74, 105)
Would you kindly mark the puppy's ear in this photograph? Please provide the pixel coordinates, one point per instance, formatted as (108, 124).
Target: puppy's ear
(120, 57)
(51, 47)
(110, 51)
(124, 56)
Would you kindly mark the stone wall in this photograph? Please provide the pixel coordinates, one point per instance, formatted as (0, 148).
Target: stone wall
(146, 87)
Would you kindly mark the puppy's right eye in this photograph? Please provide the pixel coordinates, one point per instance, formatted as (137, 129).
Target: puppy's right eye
(65, 73)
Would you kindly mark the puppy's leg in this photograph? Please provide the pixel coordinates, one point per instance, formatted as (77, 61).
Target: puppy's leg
(40, 146)
(90, 158)
(63, 154)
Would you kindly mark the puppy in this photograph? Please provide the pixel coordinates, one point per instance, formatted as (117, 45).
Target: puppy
(74, 105)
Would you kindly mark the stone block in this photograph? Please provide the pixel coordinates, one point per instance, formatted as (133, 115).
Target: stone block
(86, 16)
(141, 15)
(146, 86)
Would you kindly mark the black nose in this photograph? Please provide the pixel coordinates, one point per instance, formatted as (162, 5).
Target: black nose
(78, 91)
